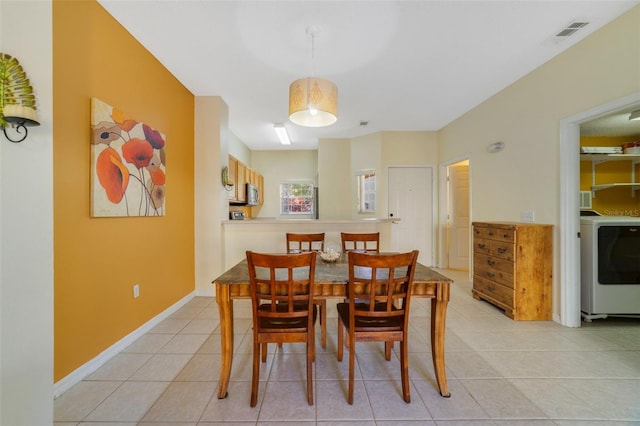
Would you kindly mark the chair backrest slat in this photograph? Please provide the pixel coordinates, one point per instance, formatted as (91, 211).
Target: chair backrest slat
(298, 243)
(278, 280)
(380, 286)
(369, 242)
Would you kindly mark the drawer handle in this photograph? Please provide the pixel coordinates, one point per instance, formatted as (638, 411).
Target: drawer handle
(505, 236)
(480, 245)
(491, 288)
(491, 262)
(491, 234)
(491, 275)
(502, 250)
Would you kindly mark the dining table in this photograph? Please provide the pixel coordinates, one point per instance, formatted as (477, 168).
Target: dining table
(331, 280)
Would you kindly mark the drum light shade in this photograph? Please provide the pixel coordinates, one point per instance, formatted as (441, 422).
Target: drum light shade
(313, 102)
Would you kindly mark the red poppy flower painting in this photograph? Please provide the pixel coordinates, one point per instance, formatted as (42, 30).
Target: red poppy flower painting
(128, 169)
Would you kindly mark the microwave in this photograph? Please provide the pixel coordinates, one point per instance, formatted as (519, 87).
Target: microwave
(253, 195)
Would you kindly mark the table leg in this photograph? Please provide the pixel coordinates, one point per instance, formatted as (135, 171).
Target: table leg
(225, 307)
(438, 317)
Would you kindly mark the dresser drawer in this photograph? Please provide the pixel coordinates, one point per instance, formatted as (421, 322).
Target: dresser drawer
(494, 268)
(481, 245)
(503, 249)
(482, 232)
(490, 289)
(506, 235)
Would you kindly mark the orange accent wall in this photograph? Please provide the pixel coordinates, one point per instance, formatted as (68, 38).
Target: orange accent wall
(98, 260)
(611, 201)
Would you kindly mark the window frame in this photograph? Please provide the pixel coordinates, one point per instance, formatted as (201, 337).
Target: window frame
(366, 191)
(311, 201)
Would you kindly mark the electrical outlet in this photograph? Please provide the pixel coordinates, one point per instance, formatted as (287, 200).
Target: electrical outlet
(136, 291)
(527, 216)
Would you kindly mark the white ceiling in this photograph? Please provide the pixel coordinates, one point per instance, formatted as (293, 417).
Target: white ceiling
(399, 65)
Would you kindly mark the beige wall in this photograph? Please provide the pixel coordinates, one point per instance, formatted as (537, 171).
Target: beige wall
(238, 149)
(334, 173)
(366, 154)
(404, 149)
(26, 229)
(212, 138)
(339, 160)
(526, 117)
(280, 166)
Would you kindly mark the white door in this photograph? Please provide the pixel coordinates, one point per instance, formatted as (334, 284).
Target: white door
(411, 200)
(458, 216)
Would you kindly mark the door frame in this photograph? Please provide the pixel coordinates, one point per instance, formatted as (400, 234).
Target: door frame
(434, 199)
(444, 207)
(570, 206)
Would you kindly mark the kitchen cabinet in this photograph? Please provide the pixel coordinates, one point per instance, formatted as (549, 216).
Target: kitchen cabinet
(241, 182)
(241, 175)
(237, 173)
(512, 268)
(233, 170)
(260, 185)
(596, 159)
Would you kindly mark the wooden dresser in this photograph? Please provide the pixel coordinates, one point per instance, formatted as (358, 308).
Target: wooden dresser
(513, 266)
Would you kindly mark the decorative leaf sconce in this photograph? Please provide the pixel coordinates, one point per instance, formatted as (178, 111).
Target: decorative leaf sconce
(17, 101)
(226, 182)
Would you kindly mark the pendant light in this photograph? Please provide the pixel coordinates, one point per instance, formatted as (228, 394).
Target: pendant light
(313, 101)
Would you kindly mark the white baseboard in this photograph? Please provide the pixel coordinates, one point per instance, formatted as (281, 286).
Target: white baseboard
(209, 292)
(83, 371)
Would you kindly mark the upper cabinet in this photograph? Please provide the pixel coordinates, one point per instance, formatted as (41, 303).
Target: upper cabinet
(241, 175)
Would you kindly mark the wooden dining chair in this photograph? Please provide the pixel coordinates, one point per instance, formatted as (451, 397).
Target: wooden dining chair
(283, 309)
(369, 242)
(299, 243)
(377, 310)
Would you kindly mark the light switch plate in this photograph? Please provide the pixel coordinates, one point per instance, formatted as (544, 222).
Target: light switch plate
(527, 216)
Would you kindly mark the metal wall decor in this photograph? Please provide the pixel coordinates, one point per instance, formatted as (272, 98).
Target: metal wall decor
(17, 101)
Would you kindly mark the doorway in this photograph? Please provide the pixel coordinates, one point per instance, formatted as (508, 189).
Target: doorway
(411, 200)
(570, 206)
(455, 214)
(457, 227)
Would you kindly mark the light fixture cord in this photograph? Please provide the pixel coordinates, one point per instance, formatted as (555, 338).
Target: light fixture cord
(313, 51)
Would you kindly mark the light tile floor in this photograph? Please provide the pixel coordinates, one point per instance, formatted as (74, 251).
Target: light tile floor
(500, 372)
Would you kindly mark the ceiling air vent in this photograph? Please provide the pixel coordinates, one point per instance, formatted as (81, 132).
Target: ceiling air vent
(571, 29)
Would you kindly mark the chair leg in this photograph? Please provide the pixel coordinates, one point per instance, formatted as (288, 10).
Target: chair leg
(352, 361)
(323, 322)
(255, 376)
(340, 338)
(264, 352)
(387, 350)
(310, 359)
(404, 371)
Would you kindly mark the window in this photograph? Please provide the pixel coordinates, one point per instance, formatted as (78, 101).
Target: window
(366, 191)
(296, 198)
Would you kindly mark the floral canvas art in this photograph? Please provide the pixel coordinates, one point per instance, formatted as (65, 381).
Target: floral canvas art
(128, 167)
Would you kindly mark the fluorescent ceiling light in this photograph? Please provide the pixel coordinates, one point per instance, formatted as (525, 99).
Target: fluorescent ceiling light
(281, 131)
(635, 115)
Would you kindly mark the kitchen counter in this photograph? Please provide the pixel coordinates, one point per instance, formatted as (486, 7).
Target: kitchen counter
(274, 221)
(268, 235)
